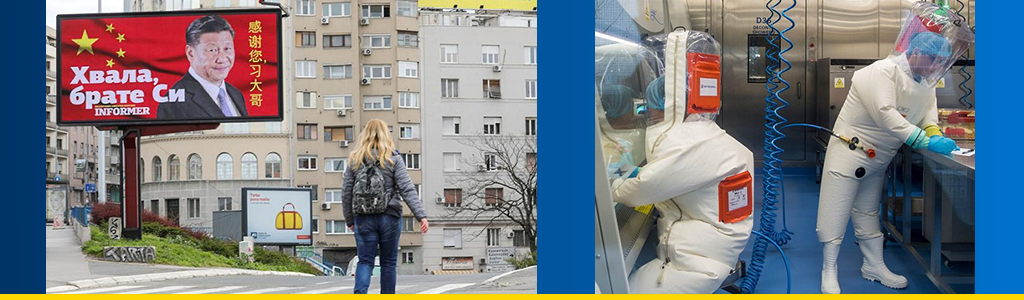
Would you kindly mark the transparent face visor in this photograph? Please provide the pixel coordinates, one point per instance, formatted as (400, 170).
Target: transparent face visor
(688, 69)
(620, 79)
(931, 40)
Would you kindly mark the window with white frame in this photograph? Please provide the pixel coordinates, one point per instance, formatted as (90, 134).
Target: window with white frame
(409, 224)
(335, 164)
(337, 40)
(195, 167)
(306, 131)
(531, 125)
(307, 163)
(452, 197)
(493, 237)
(408, 69)
(530, 55)
(249, 166)
(451, 161)
(449, 88)
(315, 220)
(273, 165)
(408, 100)
(492, 88)
(305, 7)
(407, 8)
(337, 71)
(305, 100)
(376, 40)
(490, 54)
(494, 196)
(305, 69)
(337, 101)
(338, 133)
(222, 3)
(453, 238)
(332, 195)
(492, 125)
(408, 131)
(223, 203)
(225, 165)
(377, 103)
(193, 208)
(407, 257)
(412, 160)
(232, 128)
(449, 53)
(272, 127)
(313, 189)
(374, 11)
(531, 89)
(408, 39)
(451, 125)
(377, 71)
(337, 9)
(337, 227)
(519, 238)
(249, 3)
(491, 161)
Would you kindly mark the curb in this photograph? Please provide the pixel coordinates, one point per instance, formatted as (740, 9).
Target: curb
(506, 274)
(111, 281)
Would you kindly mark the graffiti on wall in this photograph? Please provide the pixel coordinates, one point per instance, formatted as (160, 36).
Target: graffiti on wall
(130, 254)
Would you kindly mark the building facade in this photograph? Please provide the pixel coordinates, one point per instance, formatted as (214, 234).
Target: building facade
(57, 138)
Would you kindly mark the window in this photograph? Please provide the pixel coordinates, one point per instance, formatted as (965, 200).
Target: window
(376, 11)
(406, 255)
(307, 163)
(408, 39)
(408, 100)
(412, 160)
(335, 164)
(337, 227)
(406, 8)
(223, 203)
(492, 88)
(494, 196)
(519, 239)
(174, 167)
(306, 132)
(408, 131)
(154, 206)
(409, 224)
(451, 161)
(332, 195)
(449, 53)
(531, 89)
(305, 38)
(304, 8)
(452, 197)
(338, 72)
(337, 9)
(305, 68)
(377, 103)
(408, 69)
(377, 71)
(490, 54)
(531, 160)
(453, 237)
(195, 167)
(157, 168)
(449, 88)
(531, 126)
(337, 101)
(314, 191)
(248, 166)
(305, 100)
(491, 161)
(272, 127)
(377, 41)
(222, 3)
(337, 134)
(492, 125)
(451, 125)
(193, 208)
(530, 55)
(233, 128)
(493, 237)
(316, 224)
(225, 165)
(273, 166)
(337, 40)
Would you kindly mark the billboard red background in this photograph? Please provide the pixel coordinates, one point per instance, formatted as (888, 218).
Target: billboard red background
(157, 42)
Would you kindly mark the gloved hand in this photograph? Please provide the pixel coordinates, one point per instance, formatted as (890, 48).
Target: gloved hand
(941, 145)
(616, 183)
(918, 139)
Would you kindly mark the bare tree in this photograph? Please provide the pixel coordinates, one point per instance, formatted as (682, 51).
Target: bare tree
(499, 186)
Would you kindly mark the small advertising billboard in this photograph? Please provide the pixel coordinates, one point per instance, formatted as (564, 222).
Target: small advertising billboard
(277, 216)
(169, 67)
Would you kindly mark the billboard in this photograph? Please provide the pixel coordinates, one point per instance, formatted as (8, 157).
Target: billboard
(169, 67)
(277, 216)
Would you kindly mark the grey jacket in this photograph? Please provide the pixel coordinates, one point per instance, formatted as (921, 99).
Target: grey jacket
(397, 178)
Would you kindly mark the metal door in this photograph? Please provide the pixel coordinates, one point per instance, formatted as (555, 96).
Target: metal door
(172, 210)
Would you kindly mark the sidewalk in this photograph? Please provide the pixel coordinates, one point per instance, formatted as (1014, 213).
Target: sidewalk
(522, 281)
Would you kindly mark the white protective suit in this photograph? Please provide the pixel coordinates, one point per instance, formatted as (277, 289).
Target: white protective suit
(687, 161)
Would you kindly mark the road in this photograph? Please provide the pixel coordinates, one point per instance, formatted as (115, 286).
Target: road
(248, 284)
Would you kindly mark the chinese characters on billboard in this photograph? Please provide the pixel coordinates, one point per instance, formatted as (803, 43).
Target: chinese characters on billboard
(169, 68)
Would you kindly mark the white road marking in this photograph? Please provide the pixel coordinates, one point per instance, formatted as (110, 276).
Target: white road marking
(159, 290)
(213, 290)
(265, 291)
(103, 290)
(445, 288)
(327, 290)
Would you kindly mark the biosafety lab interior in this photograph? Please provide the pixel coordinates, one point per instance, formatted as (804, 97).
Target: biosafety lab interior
(784, 146)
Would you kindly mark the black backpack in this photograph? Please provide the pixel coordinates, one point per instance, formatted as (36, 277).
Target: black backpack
(370, 195)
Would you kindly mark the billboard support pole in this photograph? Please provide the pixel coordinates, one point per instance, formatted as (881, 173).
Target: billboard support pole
(131, 178)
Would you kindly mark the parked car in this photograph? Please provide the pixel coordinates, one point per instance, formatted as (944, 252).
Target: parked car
(355, 260)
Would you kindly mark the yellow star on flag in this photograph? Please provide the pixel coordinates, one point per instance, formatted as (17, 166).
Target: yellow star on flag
(110, 27)
(120, 52)
(120, 37)
(110, 62)
(84, 43)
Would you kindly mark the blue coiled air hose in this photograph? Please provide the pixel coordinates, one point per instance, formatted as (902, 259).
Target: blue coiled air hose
(963, 69)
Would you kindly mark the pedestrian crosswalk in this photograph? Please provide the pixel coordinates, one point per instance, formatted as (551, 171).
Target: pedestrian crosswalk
(185, 289)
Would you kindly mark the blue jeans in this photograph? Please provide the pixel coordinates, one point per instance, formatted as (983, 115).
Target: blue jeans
(373, 231)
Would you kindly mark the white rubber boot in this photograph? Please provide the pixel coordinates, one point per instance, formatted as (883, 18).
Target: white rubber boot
(874, 268)
(829, 270)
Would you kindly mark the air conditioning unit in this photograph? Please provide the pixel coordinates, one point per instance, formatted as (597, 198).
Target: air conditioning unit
(510, 234)
(481, 168)
(325, 206)
(325, 20)
(342, 112)
(364, 81)
(344, 144)
(364, 21)
(496, 68)
(367, 51)
(439, 200)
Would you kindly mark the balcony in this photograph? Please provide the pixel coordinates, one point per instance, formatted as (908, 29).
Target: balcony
(50, 75)
(113, 179)
(51, 99)
(56, 151)
(51, 125)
